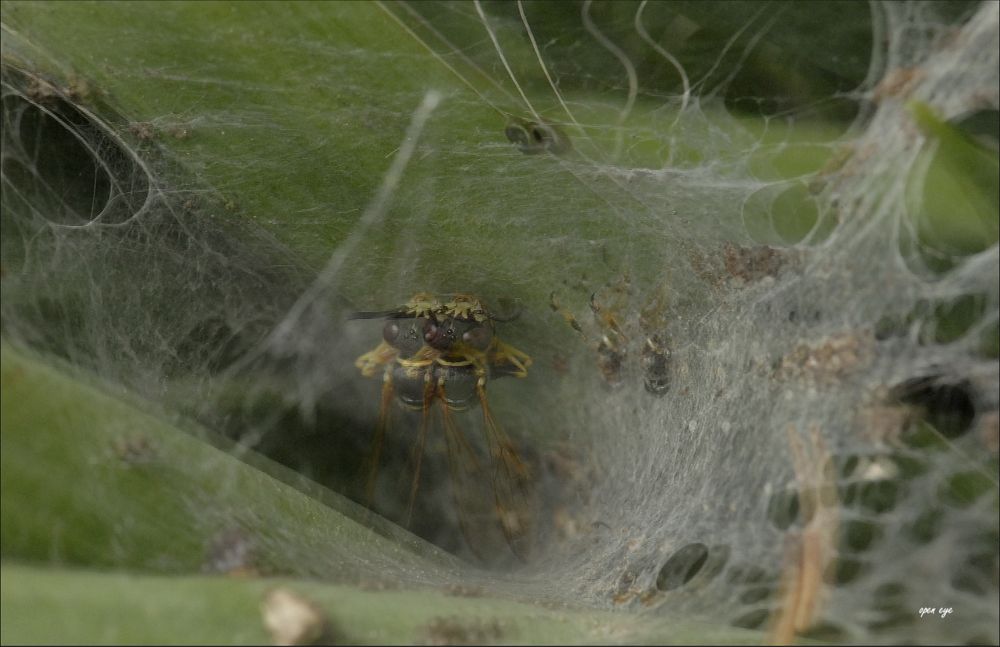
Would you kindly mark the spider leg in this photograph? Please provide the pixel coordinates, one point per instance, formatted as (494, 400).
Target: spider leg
(567, 315)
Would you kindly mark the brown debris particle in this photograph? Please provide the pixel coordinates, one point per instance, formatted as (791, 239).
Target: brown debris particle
(464, 591)
(12, 375)
(41, 91)
(884, 419)
(136, 449)
(368, 584)
(828, 361)
(706, 268)
(989, 431)
(573, 468)
(452, 631)
(566, 463)
(560, 364)
(897, 84)
(649, 598)
(751, 264)
(142, 130)
(566, 523)
(78, 89)
(837, 165)
(626, 590)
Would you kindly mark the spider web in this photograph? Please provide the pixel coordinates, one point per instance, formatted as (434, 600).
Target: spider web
(828, 439)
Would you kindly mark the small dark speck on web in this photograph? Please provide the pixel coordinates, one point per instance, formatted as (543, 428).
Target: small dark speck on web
(136, 449)
(751, 264)
(464, 590)
(143, 131)
(453, 631)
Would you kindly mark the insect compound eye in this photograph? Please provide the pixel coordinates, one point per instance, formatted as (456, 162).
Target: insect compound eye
(439, 335)
(390, 332)
(430, 330)
(479, 337)
(406, 335)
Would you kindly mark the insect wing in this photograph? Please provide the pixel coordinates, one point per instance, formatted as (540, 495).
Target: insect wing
(417, 454)
(511, 482)
(372, 464)
(467, 483)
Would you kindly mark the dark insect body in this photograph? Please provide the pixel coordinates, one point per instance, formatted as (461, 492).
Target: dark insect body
(440, 353)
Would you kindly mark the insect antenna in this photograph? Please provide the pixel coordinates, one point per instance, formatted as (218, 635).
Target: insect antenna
(380, 314)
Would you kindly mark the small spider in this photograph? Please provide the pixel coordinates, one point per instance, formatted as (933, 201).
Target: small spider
(613, 344)
(655, 355)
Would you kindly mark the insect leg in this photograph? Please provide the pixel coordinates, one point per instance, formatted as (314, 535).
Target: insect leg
(373, 359)
(505, 353)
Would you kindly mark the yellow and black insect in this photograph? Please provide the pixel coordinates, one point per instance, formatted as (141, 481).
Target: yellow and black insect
(445, 351)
